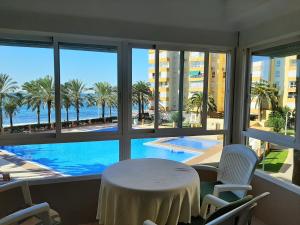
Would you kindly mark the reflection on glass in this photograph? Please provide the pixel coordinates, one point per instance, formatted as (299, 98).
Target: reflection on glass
(27, 90)
(273, 94)
(187, 149)
(89, 94)
(216, 91)
(193, 89)
(143, 86)
(278, 161)
(169, 73)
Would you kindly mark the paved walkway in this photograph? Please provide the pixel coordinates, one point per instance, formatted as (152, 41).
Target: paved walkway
(286, 171)
(20, 169)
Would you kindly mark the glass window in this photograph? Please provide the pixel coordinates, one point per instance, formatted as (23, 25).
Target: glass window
(273, 94)
(143, 88)
(89, 90)
(169, 93)
(216, 91)
(278, 161)
(60, 159)
(188, 149)
(193, 89)
(27, 90)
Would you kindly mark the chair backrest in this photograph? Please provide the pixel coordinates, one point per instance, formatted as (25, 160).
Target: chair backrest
(237, 166)
(239, 215)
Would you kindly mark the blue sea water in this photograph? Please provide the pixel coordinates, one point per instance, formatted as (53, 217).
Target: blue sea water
(83, 158)
(27, 116)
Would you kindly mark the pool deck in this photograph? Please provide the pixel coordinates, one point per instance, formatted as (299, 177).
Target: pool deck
(20, 169)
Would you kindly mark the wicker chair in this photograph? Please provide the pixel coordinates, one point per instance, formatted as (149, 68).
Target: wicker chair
(234, 173)
(29, 214)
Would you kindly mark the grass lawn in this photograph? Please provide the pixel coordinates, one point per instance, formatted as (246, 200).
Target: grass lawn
(290, 132)
(274, 160)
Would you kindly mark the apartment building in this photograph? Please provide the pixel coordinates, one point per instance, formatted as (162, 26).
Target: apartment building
(280, 72)
(169, 70)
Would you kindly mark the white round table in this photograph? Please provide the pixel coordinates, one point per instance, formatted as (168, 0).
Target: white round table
(164, 191)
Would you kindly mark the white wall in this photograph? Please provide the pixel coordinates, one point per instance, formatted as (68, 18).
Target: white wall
(11, 21)
(285, 27)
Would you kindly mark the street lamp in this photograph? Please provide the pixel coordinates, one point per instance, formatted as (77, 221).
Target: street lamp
(286, 122)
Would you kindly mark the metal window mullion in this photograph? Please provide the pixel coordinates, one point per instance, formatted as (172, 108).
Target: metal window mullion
(205, 91)
(228, 97)
(181, 86)
(297, 137)
(247, 85)
(156, 91)
(57, 87)
(125, 123)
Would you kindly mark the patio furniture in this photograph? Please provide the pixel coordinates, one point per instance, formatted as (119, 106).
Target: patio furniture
(234, 173)
(228, 213)
(28, 213)
(135, 190)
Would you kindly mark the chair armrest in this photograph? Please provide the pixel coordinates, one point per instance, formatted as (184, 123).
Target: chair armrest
(16, 184)
(25, 213)
(12, 185)
(148, 222)
(230, 187)
(205, 167)
(210, 200)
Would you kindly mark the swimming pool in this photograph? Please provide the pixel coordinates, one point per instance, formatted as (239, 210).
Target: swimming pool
(192, 143)
(83, 158)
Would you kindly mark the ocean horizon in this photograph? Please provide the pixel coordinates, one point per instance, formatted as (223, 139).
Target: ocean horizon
(26, 116)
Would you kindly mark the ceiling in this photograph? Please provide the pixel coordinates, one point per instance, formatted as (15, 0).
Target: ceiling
(220, 15)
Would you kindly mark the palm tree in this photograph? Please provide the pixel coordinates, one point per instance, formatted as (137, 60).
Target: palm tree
(195, 102)
(264, 93)
(76, 89)
(103, 95)
(141, 93)
(66, 98)
(7, 87)
(11, 105)
(211, 104)
(33, 97)
(112, 101)
(47, 91)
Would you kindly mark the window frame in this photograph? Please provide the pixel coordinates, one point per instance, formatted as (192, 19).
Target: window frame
(269, 136)
(124, 134)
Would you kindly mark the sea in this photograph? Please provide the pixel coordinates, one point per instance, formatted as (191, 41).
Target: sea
(27, 116)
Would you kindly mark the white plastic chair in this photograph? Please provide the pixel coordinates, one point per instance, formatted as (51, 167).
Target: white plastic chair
(235, 170)
(36, 214)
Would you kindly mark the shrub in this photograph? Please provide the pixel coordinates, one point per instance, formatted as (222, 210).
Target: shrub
(276, 121)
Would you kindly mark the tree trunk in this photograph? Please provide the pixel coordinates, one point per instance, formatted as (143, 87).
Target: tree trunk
(140, 107)
(110, 111)
(67, 110)
(49, 112)
(38, 114)
(296, 170)
(77, 112)
(103, 110)
(1, 114)
(11, 120)
(143, 105)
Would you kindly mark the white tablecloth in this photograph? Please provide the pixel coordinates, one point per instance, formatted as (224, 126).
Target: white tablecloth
(164, 191)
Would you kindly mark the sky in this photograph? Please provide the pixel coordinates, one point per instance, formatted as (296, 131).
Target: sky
(29, 63)
(266, 65)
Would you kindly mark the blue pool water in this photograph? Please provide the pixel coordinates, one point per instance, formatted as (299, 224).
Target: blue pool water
(192, 143)
(90, 157)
